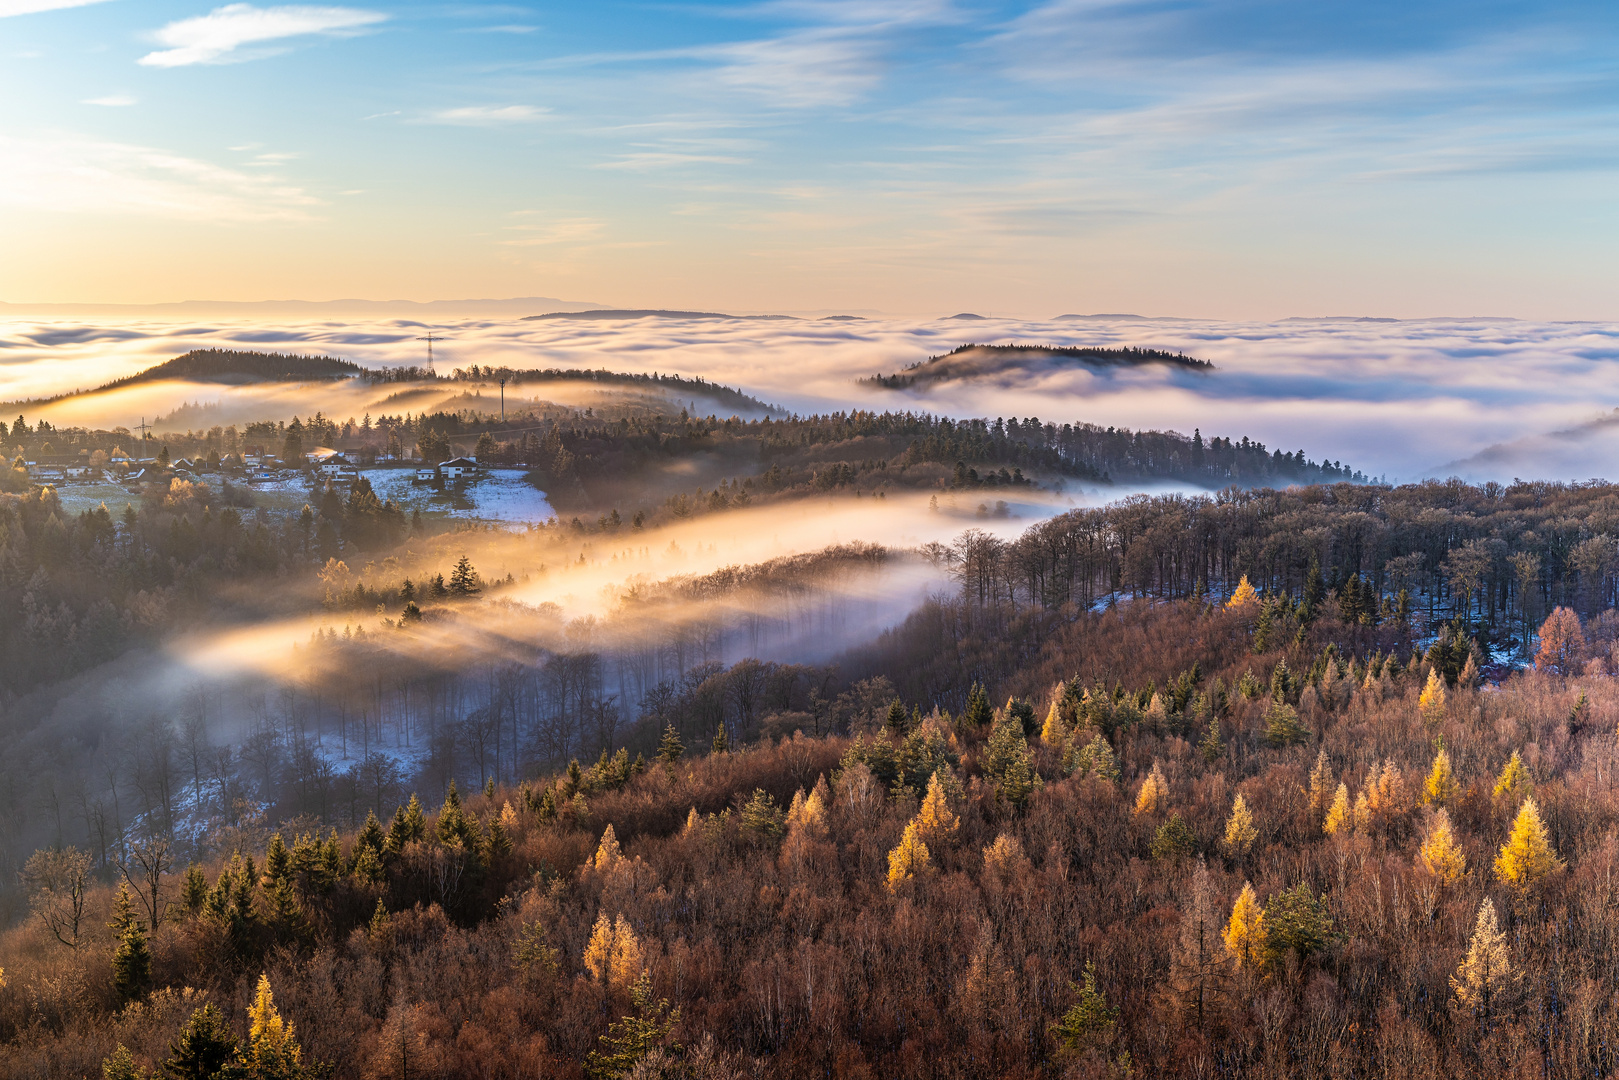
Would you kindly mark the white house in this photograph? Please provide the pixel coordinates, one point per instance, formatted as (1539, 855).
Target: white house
(457, 468)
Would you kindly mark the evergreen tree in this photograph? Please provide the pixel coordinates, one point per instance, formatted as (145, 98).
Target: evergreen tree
(670, 747)
(1095, 758)
(120, 1065)
(194, 889)
(1211, 747)
(761, 816)
(898, 720)
(204, 1049)
(1008, 762)
(1173, 839)
(1282, 726)
(978, 711)
(370, 838)
(464, 581)
(132, 959)
(1296, 921)
(632, 1037)
(1090, 1022)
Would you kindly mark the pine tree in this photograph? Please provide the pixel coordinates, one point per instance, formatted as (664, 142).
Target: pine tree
(1514, 779)
(120, 1065)
(1339, 817)
(1173, 839)
(633, 1037)
(670, 747)
(898, 720)
(761, 817)
(371, 837)
(722, 745)
(194, 889)
(978, 712)
(1282, 726)
(1440, 787)
(132, 959)
(1485, 979)
(1008, 762)
(910, 859)
(1154, 792)
(1090, 1022)
(1240, 832)
(1211, 747)
(1527, 857)
(1440, 853)
(278, 860)
(1198, 963)
(204, 1049)
(464, 579)
(1296, 921)
(1095, 758)
(1245, 935)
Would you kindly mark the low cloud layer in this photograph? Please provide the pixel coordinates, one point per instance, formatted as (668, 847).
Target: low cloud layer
(1406, 399)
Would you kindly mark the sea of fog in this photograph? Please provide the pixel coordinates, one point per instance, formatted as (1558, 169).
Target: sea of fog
(1479, 398)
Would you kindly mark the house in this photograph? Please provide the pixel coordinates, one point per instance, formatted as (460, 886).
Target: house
(82, 472)
(118, 457)
(426, 475)
(459, 468)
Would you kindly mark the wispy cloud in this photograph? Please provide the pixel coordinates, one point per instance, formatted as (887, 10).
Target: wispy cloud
(113, 101)
(562, 231)
(78, 175)
(29, 7)
(486, 115)
(219, 37)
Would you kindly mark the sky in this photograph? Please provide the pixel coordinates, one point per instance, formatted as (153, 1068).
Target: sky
(1216, 159)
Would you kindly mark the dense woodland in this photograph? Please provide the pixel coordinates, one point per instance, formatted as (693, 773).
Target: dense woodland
(1296, 861)
(1312, 781)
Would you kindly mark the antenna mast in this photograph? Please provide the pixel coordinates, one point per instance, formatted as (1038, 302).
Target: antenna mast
(502, 402)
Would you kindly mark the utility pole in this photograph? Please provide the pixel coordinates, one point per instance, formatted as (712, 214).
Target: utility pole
(430, 338)
(502, 402)
(140, 451)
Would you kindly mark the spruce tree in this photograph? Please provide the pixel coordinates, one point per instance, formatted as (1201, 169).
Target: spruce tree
(464, 579)
(632, 1037)
(204, 1049)
(132, 959)
(1008, 762)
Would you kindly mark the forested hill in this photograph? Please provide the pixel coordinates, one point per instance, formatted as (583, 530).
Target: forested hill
(239, 366)
(220, 366)
(979, 361)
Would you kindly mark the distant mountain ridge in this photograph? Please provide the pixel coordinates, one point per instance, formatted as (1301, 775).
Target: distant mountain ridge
(646, 313)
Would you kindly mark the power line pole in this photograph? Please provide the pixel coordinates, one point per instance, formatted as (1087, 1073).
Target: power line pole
(140, 450)
(502, 402)
(430, 338)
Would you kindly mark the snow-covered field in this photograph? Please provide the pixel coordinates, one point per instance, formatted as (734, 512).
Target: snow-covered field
(502, 496)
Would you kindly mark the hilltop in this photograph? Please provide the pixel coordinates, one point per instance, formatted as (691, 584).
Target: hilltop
(980, 361)
(229, 366)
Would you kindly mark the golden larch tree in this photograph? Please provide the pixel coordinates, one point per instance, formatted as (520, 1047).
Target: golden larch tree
(1154, 791)
(1054, 732)
(271, 1050)
(1527, 856)
(935, 818)
(1320, 785)
(1245, 598)
(1440, 853)
(910, 859)
(1514, 779)
(1485, 978)
(1440, 787)
(1245, 932)
(1431, 704)
(1339, 816)
(613, 955)
(1240, 832)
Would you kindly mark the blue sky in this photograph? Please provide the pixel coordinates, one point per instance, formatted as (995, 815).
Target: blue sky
(1213, 159)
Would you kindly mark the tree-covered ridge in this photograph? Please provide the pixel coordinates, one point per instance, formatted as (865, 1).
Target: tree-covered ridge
(724, 397)
(977, 361)
(1109, 875)
(226, 366)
